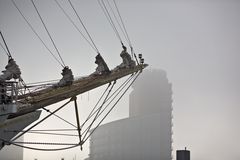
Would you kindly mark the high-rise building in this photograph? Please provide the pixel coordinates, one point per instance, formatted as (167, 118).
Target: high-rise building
(147, 133)
(12, 152)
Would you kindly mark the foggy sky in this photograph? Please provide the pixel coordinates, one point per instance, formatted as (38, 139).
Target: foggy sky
(195, 42)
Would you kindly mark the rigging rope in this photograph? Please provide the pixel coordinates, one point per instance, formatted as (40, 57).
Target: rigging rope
(122, 22)
(120, 26)
(83, 25)
(86, 136)
(109, 18)
(122, 86)
(43, 130)
(4, 49)
(47, 133)
(47, 110)
(34, 31)
(84, 140)
(48, 33)
(92, 111)
(42, 120)
(69, 18)
(46, 143)
(99, 109)
(39, 149)
(7, 51)
(124, 27)
(117, 92)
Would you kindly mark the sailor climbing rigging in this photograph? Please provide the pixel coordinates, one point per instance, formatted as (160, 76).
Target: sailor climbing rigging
(127, 60)
(102, 67)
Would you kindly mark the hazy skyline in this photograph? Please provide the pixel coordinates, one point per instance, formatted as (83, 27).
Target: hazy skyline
(195, 42)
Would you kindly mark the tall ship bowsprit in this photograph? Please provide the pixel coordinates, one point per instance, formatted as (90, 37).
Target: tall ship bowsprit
(21, 104)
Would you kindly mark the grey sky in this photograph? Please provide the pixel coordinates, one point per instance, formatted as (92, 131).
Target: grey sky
(196, 42)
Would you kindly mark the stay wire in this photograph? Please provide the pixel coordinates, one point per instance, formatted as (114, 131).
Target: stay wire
(39, 149)
(83, 25)
(114, 104)
(47, 110)
(124, 27)
(4, 49)
(124, 84)
(116, 19)
(42, 130)
(47, 133)
(117, 92)
(76, 27)
(96, 116)
(84, 140)
(48, 33)
(109, 18)
(42, 120)
(91, 113)
(34, 31)
(7, 51)
(122, 22)
(45, 143)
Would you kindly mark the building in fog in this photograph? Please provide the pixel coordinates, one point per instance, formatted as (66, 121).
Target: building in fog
(147, 133)
(12, 152)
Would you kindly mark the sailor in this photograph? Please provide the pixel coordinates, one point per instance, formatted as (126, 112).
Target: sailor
(67, 78)
(12, 71)
(102, 67)
(127, 60)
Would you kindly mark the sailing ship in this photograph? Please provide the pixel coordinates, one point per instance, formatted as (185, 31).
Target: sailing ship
(21, 104)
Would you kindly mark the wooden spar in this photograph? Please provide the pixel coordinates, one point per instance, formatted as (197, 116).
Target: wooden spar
(53, 95)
